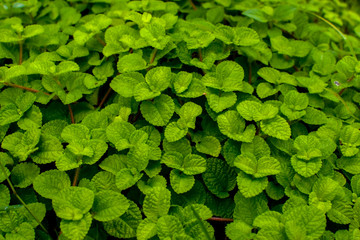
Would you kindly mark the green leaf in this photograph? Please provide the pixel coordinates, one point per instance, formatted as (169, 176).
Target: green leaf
(119, 133)
(37, 209)
(146, 229)
(188, 113)
(209, 145)
(156, 181)
(308, 221)
(306, 168)
(218, 100)
(341, 212)
(23, 174)
(131, 63)
(251, 110)
(72, 203)
(326, 189)
(50, 149)
(126, 178)
(49, 183)
(124, 84)
(308, 147)
(125, 226)
(75, 132)
(181, 182)
(350, 140)
(314, 116)
(157, 203)
(247, 209)
(23, 231)
(159, 111)
(31, 119)
(77, 229)
(239, 230)
(245, 36)
(21, 145)
(257, 14)
(264, 90)
(154, 34)
(114, 163)
(168, 226)
(109, 205)
(259, 168)
(228, 77)
(174, 131)
(4, 195)
(276, 127)
(250, 187)
(219, 177)
(158, 78)
(232, 125)
(190, 164)
(182, 81)
(324, 62)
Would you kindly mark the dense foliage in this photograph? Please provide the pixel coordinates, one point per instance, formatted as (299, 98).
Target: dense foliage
(154, 119)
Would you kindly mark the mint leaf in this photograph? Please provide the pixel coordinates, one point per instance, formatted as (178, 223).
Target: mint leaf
(276, 127)
(73, 203)
(157, 203)
(181, 182)
(159, 111)
(124, 84)
(76, 229)
(251, 110)
(131, 63)
(219, 177)
(48, 184)
(109, 205)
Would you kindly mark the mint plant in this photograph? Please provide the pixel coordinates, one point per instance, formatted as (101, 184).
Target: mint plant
(164, 119)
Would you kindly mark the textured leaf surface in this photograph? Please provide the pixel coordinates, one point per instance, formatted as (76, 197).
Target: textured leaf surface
(181, 182)
(48, 184)
(125, 226)
(23, 175)
(157, 203)
(159, 111)
(109, 205)
(76, 229)
(219, 177)
(73, 203)
(276, 127)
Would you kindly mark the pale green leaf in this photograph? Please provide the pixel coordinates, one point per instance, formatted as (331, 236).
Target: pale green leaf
(77, 229)
(250, 187)
(276, 127)
(48, 184)
(125, 83)
(125, 226)
(245, 36)
(181, 182)
(159, 111)
(131, 63)
(157, 203)
(209, 145)
(126, 178)
(109, 205)
(73, 203)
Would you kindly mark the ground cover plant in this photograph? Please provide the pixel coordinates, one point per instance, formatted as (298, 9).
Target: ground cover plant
(182, 119)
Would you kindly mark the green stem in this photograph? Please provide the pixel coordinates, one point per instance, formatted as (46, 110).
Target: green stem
(20, 52)
(201, 223)
(338, 31)
(19, 198)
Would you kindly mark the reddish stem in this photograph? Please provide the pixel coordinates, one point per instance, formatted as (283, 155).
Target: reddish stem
(200, 55)
(153, 56)
(71, 114)
(25, 88)
(76, 176)
(218, 219)
(192, 5)
(105, 97)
